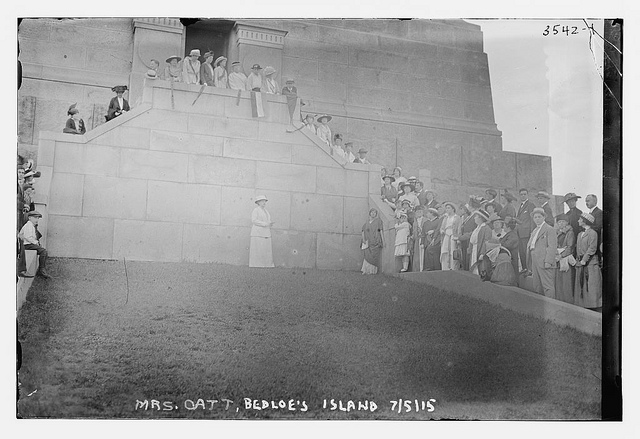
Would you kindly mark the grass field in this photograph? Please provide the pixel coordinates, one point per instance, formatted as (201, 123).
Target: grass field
(181, 333)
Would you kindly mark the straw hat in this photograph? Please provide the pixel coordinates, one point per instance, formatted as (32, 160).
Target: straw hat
(260, 198)
(269, 71)
(324, 116)
(219, 60)
(482, 214)
(168, 60)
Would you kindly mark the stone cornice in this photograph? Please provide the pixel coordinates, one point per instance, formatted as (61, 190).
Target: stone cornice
(251, 34)
(163, 24)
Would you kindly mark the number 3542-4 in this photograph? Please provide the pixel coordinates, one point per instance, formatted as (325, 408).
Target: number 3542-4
(560, 29)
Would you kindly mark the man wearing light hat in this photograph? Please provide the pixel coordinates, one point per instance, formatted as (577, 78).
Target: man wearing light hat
(191, 68)
(119, 104)
(543, 198)
(573, 213)
(30, 236)
(254, 80)
(362, 157)
(206, 70)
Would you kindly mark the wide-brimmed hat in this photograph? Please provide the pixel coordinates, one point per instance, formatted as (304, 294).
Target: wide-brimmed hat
(256, 67)
(433, 210)
(194, 52)
(543, 194)
(73, 110)
(562, 217)
(494, 217)
(235, 63)
(34, 213)
(219, 60)
(290, 81)
(362, 150)
(453, 206)
(208, 54)
(260, 198)
(168, 60)
(119, 88)
(151, 74)
(389, 176)
(482, 214)
(269, 71)
(491, 192)
(539, 210)
(403, 184)
(324, 116)
(586, 216)
(571, 196)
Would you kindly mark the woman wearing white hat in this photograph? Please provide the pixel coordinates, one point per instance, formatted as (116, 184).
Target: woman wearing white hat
(260, 251)
(191, 68)
(270, 85)
(220, 76)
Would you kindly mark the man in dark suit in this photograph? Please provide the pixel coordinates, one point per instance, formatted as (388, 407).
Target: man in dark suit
(591, 201)
(573, 213)
(543, 198)
(524, 225)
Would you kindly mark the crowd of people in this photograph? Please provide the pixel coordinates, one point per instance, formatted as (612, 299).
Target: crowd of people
(499, 239)
(27, 218)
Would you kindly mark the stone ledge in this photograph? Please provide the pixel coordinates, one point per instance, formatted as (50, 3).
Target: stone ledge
(512, 298)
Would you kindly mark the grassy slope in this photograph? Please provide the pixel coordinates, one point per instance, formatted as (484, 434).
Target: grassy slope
(189, 331)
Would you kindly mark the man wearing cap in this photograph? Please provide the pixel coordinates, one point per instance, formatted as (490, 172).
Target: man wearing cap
(220, 77)
(254, 80)
(237, 79)
(206, 70)
(191, 68)
(74, 125)
(573, 213)
(30, 236)
(543, 198)
(362, 157)
(119, 104)
(525, 225)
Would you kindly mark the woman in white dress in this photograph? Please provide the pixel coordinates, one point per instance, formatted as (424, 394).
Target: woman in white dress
(479, 238)
(260, 251)
(220, 76)
(449, 231)
(270, 85)
(324, 132)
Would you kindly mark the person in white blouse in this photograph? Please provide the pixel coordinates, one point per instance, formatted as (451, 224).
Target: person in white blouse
(323, 130)
(30, 236)
(260, 250)
(220, 77)
(270, 85)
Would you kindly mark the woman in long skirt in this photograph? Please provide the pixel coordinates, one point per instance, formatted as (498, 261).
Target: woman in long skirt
(588, 288)
(432, 240)
(479, 238)
(260, 251)
(372, 243)
(565, 274)
(449, 231)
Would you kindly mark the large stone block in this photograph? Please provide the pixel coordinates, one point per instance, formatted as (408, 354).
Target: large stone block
(87, 159)
(34, 29)
(183, 203)
(71, 30)
(161, 120)
(46, 152)
(396, 28)
(153, 165)
(487, 142)
(294, 249)
(301, 30)
(80, 237)
(222, 244)
(345, 37)
(478, 112)
(431, 32)
(124, 137)
(481, 167)
(116, 60)
(184, 142)
(280, 176)
(300, 68)
(533, 172)
(237, 204)
(222, 127)
(321, 91)
(436, 106)
(26, 119)
(65, 196)
(356, 183)
(331, 181)
(222, 171)
(147, 240)
(474, 74)
(279, 207)
(257, 150)
(384, 99)
(356, 212)
(379, 60)
(339, 252)
(333, 73)
(112, 197)
(315, 50)
(312, 155)
(407, 47)
(315, 212)
(402, 82)
(51, 53)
